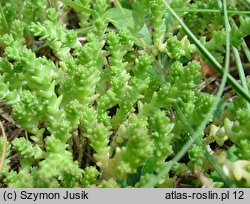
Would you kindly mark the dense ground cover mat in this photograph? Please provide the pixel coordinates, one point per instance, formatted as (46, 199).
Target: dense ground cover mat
(136, 93)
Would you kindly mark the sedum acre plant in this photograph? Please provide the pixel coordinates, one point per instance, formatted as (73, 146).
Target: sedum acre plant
(111, 93)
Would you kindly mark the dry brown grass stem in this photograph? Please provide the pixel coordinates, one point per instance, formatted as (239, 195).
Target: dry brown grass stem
(3, 146)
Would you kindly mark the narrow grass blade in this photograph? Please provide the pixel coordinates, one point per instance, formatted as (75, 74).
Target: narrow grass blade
(246, 50)
(208, 11)
(77, 6)
(3, 146)
(210, 57)
(5, 24)
(241, 72)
